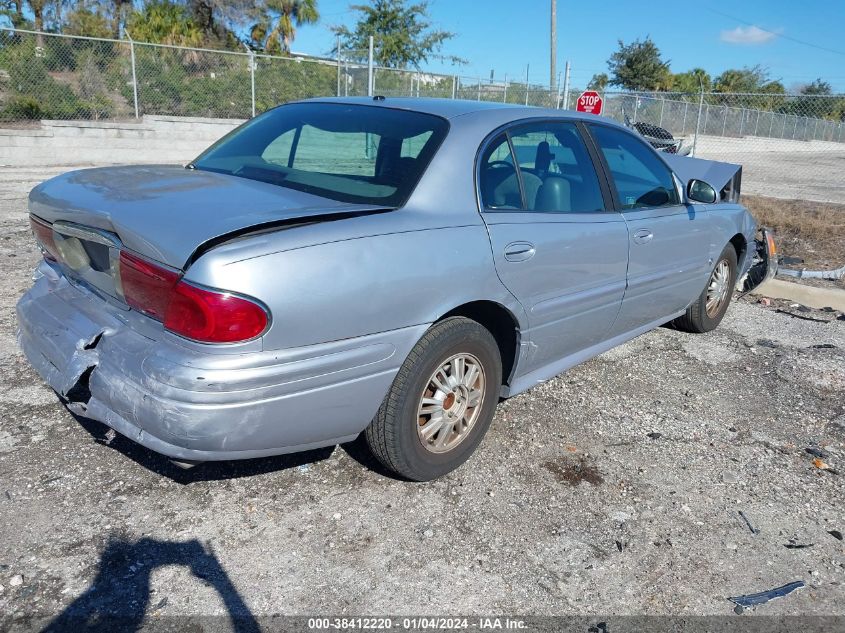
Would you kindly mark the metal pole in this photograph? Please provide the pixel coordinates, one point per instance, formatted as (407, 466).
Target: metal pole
(815, 128)
(505, 91)
(698, 120)
(636, 107)
(662, 105)
(741, 120)
(251, 75)
(527, 66)
(370, 77)
(134, 76)
(479, 87)
(418, 84)
(684, 124)
(338, 65)
(553, 49)
(557, 102)
(725, 124)
(566, 85)
(795, 127)
(454, 86)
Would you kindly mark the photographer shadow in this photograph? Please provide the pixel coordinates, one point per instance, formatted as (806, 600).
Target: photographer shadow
(119, 596)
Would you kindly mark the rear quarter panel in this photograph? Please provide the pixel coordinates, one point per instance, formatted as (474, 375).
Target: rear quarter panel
(335, 281)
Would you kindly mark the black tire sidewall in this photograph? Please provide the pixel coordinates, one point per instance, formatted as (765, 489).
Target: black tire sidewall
(470, 338)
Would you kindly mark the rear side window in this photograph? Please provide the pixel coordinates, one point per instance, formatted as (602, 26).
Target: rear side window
(641, 179)
(349, 153)
(558, 175)
(498, 180)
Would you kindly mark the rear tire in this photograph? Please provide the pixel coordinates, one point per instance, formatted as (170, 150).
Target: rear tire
(708, 310)
(441, 402)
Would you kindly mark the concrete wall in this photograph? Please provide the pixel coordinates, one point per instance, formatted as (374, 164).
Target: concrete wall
(153, 139)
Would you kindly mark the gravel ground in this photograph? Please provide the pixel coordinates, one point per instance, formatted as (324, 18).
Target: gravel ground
(615, 488)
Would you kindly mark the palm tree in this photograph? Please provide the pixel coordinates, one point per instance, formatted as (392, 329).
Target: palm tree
(277, 29)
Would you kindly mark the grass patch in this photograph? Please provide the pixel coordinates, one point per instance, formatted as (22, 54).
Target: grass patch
(813, 231)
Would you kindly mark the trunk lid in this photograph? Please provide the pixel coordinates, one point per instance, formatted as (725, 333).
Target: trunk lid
(165, 213)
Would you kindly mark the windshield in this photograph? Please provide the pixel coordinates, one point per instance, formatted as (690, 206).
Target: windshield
(350, 153)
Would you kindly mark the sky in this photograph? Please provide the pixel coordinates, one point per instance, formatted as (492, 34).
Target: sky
(796, 41)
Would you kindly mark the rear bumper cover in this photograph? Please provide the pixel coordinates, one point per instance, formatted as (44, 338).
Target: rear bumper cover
(194, 406)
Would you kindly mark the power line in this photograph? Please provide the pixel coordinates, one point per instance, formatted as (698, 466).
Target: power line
(775, 33)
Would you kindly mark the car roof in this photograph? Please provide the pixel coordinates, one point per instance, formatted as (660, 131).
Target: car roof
(452, 108)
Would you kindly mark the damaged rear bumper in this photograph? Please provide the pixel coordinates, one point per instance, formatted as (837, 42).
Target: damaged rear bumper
(197, 406)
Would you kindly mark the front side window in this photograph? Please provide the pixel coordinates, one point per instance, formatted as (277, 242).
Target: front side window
(642, 180)
(349, 153)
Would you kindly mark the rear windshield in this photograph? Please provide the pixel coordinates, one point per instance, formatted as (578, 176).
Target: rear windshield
(350, 153)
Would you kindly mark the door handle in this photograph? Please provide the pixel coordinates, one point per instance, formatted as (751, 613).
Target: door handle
(519, 251)
(643, 236)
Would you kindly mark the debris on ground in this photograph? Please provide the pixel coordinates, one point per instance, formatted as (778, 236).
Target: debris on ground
(801, 316)
(794, 544)
(753, 529)
(835, 534)
(823, 465)
(754, 599)
(815, 451)
(16, 580)
(109, 437)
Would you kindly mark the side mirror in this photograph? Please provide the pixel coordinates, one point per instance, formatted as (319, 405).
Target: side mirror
(700, 191)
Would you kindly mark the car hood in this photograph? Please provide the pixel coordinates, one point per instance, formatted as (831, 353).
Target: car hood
(166, 212)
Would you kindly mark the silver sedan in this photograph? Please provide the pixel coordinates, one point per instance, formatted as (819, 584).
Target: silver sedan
(385, 266)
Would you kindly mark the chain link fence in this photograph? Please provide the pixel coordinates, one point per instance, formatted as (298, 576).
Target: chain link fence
(773, 116)
(789, 145)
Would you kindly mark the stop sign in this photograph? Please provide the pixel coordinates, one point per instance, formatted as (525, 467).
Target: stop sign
(589, 102)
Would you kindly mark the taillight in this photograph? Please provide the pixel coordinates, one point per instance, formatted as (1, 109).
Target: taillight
(44, 236)
(146, 286)
(213, 317)
(200, 314)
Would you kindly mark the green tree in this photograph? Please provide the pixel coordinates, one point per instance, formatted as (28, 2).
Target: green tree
(13, 9)
(639, 66)
(598, 82)
(220, 20)
(164, 22)
(43, 12)
(88, 22)
(119, 11)
(817, 87)
(276, 30)
(694, 80)
(402, 34)
(747, 79)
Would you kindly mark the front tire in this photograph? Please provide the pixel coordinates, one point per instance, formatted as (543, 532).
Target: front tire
(708, 310)
(441, 402)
